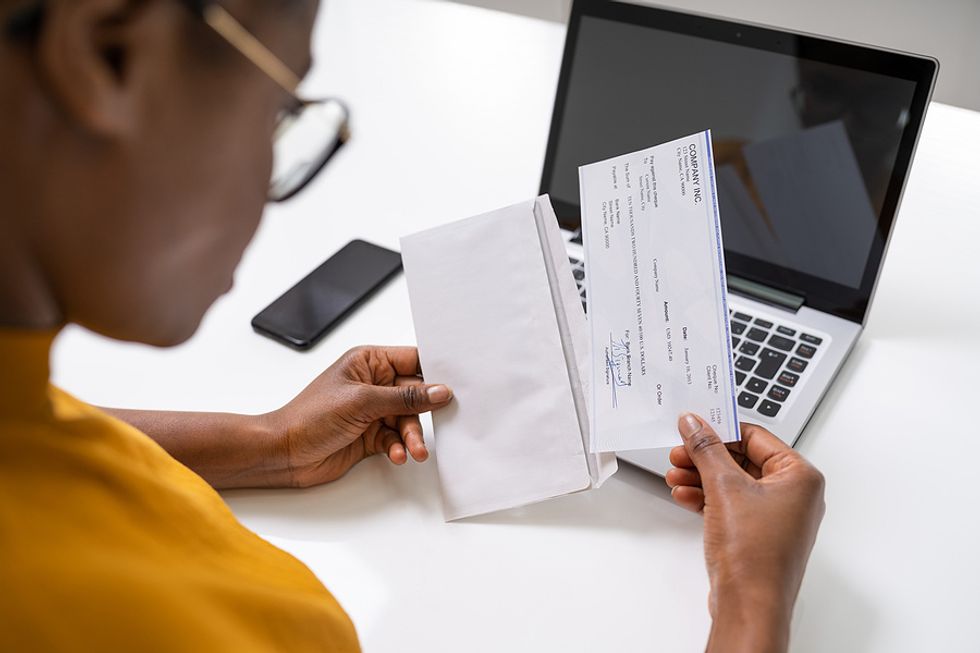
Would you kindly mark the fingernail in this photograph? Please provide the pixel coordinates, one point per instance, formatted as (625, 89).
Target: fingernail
(439, 394)
(689, 425)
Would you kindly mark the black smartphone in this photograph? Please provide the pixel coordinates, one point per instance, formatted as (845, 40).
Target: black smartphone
(310, 309)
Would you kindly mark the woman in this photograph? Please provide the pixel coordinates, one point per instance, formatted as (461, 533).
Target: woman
(137, 151)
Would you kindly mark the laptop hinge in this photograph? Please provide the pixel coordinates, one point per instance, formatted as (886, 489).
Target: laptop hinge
(765, 294)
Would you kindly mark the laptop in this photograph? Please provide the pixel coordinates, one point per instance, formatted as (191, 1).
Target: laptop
(813, 140)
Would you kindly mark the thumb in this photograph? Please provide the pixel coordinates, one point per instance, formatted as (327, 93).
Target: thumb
(378, 401)
(708, 453)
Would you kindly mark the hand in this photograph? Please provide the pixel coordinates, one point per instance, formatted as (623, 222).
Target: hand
(364, 404)
(762, 504)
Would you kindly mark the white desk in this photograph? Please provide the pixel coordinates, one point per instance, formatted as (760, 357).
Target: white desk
(455, 102)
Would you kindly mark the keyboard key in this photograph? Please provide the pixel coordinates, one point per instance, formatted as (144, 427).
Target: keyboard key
(806, 351)
(770, 362)
(796, 364)
(813, 340)
(788, 379)
(744, 364)
(765, 324)
(578, 273)
(746, 400)
(756, 385)
(743, 317)
(574, 261)
(780, 342)
(749, 348)
(757, 334)
(786, 331)
(735, 342)
(778, 393)
(738, 328)
(769, 408)
(739, 377)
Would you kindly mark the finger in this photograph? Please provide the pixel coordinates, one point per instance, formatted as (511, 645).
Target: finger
(411, 433)
(705, 448)
(689, 498)
(404, 360)
(678, 457)
(410, 428)
(683, 476)
(743, 461)
(760, 445)
(391, 444)
(377, 402)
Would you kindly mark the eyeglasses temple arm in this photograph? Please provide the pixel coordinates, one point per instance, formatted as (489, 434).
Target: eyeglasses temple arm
(240, 38)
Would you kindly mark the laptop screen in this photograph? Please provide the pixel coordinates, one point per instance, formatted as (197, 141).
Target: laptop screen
(812, 138)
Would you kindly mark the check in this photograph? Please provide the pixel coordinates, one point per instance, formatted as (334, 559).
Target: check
(657, 296)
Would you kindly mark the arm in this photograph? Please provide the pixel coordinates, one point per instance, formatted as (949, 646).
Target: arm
(762, 505)
(226, 450)
(366, 403)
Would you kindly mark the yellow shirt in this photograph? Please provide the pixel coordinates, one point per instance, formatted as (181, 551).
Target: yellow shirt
(109, 544)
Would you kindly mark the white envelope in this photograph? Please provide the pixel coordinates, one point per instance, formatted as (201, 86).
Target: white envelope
(498, 318)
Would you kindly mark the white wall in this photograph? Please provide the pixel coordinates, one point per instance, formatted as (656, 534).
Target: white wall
(946, 29)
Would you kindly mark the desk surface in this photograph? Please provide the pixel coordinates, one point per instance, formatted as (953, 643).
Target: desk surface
(451, 105)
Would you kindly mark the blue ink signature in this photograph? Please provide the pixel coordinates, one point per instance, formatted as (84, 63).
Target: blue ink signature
(616, 359)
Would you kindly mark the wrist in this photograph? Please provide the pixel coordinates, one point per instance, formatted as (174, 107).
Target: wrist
(270, 452)
(750, 617)
(255, 457)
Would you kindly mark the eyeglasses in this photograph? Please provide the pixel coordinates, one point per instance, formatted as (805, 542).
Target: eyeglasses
(308, 133)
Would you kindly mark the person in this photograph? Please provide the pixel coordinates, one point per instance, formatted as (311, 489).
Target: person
(137, 151)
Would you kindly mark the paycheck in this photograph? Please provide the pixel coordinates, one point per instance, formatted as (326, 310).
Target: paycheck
(657, 302)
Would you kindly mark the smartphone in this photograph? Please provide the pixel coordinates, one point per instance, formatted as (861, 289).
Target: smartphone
(310, 309)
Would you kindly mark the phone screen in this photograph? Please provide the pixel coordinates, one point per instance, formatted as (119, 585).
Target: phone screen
(307, 311)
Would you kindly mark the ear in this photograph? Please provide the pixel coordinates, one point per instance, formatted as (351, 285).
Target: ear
(82, 54)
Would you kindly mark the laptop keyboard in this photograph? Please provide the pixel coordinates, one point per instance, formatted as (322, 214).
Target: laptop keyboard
(773, 358)
(578, 271)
